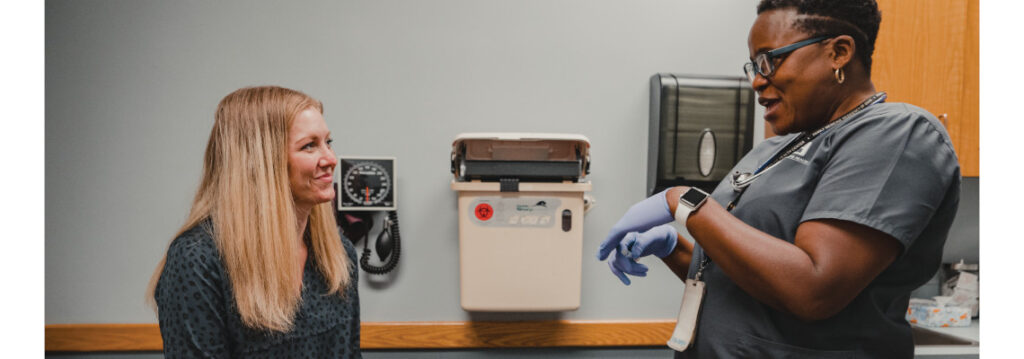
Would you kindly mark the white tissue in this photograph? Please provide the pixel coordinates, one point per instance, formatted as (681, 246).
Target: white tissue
(963, 291)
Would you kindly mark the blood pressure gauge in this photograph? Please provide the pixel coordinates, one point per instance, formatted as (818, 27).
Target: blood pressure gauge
(366, 184)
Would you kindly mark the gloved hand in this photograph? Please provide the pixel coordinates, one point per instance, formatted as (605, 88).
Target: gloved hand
(640, 217)
(622, 265)
(659, 241)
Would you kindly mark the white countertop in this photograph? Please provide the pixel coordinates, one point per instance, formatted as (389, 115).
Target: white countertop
(971, 332)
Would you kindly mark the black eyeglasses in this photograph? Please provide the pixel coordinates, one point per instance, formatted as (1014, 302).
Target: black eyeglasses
(764, 63)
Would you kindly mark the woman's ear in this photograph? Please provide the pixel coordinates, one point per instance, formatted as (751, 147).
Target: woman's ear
(843, 48)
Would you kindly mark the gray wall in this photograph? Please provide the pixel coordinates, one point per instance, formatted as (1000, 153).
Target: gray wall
(131, 86)
(963, 240)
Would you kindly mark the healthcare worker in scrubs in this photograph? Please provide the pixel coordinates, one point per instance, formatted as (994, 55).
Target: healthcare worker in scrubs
(811, 247)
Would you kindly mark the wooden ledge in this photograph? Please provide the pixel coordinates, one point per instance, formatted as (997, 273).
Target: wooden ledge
(103, 337)
(400, 335)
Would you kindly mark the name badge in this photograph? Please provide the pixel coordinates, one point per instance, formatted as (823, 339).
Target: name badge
(689, 312)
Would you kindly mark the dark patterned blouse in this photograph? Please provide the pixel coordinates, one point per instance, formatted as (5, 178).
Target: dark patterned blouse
(199, 319)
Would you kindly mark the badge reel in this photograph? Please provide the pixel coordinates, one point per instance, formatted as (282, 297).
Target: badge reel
(693, 295)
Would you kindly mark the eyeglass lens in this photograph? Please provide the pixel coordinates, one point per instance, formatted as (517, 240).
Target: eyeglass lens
(761, 65)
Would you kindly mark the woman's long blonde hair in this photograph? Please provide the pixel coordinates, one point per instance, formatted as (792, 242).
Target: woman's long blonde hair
(245, 191)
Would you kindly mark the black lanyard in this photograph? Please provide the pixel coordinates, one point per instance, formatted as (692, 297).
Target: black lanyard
(742, 181)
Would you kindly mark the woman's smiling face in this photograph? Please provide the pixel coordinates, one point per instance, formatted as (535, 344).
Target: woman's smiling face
(793, 95)
(311, 160)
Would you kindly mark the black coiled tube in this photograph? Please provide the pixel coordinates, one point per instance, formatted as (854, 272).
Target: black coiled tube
(391, 229)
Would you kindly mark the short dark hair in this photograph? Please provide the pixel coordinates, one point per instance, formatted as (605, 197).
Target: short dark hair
(857, 18)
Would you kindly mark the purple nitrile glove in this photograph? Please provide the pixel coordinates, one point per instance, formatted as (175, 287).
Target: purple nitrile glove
(622, 265)
(659, 241)
(640, 217)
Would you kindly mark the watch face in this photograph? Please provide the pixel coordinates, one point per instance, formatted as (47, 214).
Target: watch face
(693, 196)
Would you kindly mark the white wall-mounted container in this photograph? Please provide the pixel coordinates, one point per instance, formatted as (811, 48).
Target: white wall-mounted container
(520, 243)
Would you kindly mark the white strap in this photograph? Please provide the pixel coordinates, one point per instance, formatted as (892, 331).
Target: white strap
(682, 213)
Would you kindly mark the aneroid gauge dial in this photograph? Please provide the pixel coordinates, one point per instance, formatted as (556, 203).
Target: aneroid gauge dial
(366, 184)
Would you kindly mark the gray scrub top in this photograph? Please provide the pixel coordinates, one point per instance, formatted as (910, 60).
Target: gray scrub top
(890, 167)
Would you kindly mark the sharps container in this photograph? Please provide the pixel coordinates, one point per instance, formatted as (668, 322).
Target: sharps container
(520, 219)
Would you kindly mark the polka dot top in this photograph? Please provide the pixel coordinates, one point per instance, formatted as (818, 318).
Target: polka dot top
(199, 318)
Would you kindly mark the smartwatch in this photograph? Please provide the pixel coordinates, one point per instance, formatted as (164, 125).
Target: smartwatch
(689, 201)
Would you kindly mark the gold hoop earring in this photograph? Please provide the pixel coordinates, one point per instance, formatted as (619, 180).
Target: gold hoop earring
(840, 75)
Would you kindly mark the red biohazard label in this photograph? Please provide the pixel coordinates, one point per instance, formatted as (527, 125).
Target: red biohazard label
(483, 211)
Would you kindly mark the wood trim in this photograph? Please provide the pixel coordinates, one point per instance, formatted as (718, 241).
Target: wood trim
(400, 335)
(103, 337)
(446, 335)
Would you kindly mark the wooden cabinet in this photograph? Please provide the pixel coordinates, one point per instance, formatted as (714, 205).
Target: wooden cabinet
(926, 54)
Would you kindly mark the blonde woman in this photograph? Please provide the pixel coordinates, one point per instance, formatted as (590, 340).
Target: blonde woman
(259, 270)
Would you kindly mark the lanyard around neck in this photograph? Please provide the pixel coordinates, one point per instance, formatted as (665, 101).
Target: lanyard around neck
(741, 181)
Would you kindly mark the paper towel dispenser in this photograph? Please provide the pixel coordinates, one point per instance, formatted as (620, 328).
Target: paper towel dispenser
(700, 126)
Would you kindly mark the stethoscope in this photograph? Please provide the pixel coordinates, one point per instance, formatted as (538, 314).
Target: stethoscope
(741, 180)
